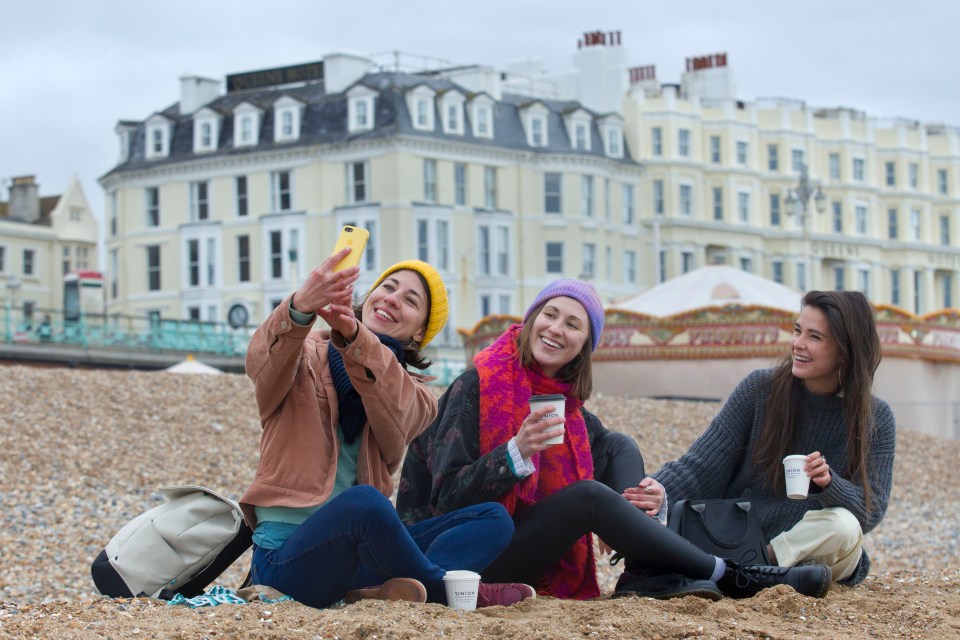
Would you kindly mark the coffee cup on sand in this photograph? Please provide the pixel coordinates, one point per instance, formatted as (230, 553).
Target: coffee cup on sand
(798, 482)
(558, 402)
(462, 587)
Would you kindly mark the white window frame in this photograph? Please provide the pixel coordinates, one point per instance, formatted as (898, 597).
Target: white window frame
(452, 110)
(547, 257)
(743, 207)
(834, 163)
(277, 195)
(684, 142)
(535, 121)
(283, 109)
(206, 130)
(798, 158)
(490, 187)
(685, 199)
(460, 183)
(200, 205)
(433, 240)
(429, 180)
(578, 124)
(589, 265)
(292, 238)
(916, 225)
(743, 152)
(481, 117)
(628, 204)
(158, 137)
(361, 102)
(630, 266)
(861, 219)
(352, 183)
(209, 257)
(151, 207)
(587, 196)
(242, 114)
(913, 174)
(421, 103)
(656, 141)
(859, 169)
(613, 140)
(556, 195)
(716, 155)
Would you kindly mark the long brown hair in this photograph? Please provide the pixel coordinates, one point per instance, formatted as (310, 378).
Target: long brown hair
(578, 372)
(851, 320)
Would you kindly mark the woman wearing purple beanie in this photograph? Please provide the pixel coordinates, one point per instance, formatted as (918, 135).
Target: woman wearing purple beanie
(487, 445)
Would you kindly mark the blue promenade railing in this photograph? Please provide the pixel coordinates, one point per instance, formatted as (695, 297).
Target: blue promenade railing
(93, 331)
(124, 332)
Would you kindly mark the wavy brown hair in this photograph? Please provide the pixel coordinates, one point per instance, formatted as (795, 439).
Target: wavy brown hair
(851, 320)
(578, 372)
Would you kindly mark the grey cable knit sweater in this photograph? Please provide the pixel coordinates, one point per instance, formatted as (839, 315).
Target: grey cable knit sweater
(718, 464)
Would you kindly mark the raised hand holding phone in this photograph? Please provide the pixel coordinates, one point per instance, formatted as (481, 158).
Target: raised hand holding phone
(324, 286)
(355, 238)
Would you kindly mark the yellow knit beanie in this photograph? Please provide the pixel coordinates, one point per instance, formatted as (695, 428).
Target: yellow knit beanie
(438, 307)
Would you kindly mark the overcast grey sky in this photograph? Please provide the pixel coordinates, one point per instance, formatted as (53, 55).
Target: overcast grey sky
(70, 70)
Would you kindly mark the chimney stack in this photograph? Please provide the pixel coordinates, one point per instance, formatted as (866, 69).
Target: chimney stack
(24, 199)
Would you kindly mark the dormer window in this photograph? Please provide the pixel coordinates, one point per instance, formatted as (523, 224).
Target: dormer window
(612, 128)
(158, 137)
(360, 114)
(614, 141)
(286, 119)
(534, 118)
(481, 115)
(452, 113)
(246, 125)
(206, 130)
(420, 104)
(578, 129)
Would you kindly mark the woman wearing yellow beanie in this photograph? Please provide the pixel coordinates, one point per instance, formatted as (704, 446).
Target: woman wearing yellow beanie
(338, 409)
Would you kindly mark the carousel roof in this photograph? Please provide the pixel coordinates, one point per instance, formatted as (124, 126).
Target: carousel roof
(712, 286)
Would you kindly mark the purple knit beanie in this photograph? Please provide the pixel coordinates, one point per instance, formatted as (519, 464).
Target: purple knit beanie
(582, 292)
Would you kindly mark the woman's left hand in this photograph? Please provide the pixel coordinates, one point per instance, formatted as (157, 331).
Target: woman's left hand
(341, 319)
(647, 496)
(818, 469)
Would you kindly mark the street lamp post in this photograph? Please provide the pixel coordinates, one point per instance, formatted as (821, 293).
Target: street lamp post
(799, 196)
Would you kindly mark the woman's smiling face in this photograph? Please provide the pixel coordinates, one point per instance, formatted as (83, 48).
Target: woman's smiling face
(559, 333)
(397, 307)
(815, 352)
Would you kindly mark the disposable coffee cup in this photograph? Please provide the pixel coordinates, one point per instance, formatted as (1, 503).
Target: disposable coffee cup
(798, 482)
(559, 404)
(462, 587)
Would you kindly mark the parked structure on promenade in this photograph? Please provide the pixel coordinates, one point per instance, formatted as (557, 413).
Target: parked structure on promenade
(506, 179)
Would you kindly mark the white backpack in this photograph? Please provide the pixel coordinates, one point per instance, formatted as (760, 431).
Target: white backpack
(180, 546)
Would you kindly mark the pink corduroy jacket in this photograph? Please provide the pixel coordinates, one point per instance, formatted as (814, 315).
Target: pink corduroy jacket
(299, 412)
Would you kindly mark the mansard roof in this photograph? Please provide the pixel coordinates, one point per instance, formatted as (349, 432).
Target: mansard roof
(324, 121)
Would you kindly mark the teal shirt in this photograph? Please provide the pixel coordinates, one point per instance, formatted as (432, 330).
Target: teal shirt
(276, 524)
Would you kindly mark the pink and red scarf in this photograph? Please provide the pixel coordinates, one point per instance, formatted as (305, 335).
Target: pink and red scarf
(505, 390)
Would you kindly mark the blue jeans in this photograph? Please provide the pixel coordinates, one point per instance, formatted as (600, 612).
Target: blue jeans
(357, 540)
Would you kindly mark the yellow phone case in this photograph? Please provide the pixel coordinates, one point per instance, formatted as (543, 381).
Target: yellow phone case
(355, 238)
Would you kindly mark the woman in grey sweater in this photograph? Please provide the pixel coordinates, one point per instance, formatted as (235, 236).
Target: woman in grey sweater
(818, 402)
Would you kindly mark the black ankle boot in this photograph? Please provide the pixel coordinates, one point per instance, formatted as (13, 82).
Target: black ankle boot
(652, 583)
(745, 582)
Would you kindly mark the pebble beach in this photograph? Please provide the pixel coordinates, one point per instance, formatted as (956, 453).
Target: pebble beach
(84, 451)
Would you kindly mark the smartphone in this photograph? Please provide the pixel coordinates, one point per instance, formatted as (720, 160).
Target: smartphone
(355, 238)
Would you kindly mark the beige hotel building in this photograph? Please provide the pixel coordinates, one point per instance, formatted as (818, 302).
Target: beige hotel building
(506, 179)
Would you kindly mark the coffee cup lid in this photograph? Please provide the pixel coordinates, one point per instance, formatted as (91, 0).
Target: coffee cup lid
(550, 397)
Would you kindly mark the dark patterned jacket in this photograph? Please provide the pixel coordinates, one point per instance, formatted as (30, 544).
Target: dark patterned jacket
(444, 471)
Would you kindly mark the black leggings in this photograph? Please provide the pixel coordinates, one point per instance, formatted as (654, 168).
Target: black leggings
(546, 530)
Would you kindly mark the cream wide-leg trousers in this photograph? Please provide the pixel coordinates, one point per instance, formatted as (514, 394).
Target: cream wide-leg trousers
(829, 536)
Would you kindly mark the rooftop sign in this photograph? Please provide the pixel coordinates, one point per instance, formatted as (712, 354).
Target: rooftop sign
(308, 72)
